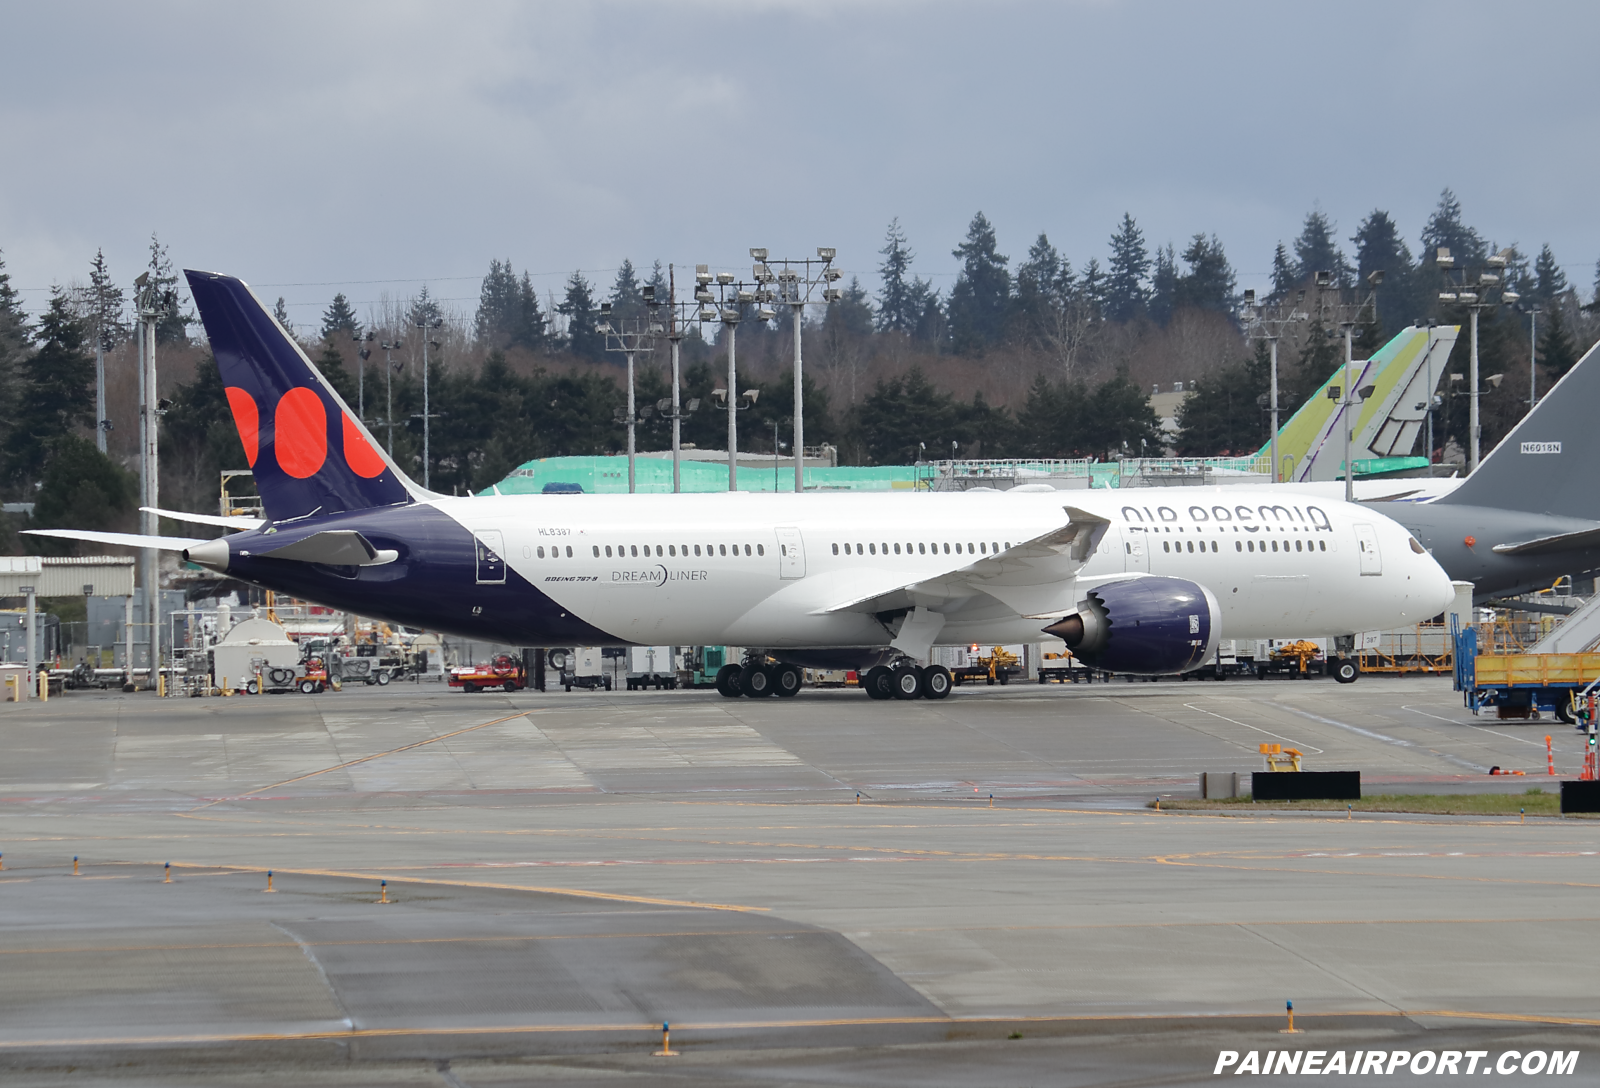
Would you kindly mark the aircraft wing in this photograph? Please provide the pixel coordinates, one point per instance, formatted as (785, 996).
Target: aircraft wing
(126, 540)
(1561, 542)
(1035, 577)
(219, 520)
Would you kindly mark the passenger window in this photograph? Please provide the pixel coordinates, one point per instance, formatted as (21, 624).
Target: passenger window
(1128, 548)
(996, 547)
(696, 550)
(1213, 545)
(897, 549)
(541, 553)
(947, 549)
(1250, 544)
(836, 549)
(760, 550)
(1322, 545)
(1191, 546)
(747, 549)
(724, 548)
(608, 551)
(672, 549)
(1166, 545)
(922, 549)
(970, 548)
(1297, 545)
(874, 548)
(569, 551)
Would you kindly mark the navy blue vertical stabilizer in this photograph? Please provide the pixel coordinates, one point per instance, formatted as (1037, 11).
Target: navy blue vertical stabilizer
(308, 452)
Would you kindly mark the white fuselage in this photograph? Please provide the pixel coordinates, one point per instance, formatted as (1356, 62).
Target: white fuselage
(773, 570)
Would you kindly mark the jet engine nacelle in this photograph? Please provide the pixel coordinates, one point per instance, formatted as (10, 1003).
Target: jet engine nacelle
(1153, 625)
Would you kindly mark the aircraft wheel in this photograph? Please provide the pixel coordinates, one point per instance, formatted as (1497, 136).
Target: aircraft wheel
(936, 682)
(728, 682)
(756, 681)
(877, 682)
(787, 680)
(1345, 671)
(906, 682)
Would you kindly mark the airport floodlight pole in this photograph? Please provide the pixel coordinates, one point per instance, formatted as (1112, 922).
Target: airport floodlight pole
(362, 356)
(1533, 311)
(388, 387)
(630, 336)
(1475, 291)
(724, 305)
(1267, 323)
(147, 306)
(799, 283)
(425, 325)
(679, 411)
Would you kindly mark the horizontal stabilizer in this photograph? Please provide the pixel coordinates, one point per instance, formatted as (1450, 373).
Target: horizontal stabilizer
(126, 540)
(221, 521)
(336, 548)
(1561, 542)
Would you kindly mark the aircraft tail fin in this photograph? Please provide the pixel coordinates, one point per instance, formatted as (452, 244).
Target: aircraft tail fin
(1546, 464)
(309, 453)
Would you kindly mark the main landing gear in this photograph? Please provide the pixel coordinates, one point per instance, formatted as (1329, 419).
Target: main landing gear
(907, 680)
(759, 678)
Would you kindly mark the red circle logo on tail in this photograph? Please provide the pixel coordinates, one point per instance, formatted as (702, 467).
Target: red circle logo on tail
(247, 419)
(358, 452)
(300, 433)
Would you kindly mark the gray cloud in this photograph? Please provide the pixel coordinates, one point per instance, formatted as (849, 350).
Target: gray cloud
(305, 143)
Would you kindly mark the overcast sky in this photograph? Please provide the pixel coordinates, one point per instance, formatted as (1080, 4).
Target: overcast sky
(317, 147)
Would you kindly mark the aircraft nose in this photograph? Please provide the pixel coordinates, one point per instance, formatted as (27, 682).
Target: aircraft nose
(1436, 585)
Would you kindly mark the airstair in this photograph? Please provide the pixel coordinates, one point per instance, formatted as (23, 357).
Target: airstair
(1577, 633)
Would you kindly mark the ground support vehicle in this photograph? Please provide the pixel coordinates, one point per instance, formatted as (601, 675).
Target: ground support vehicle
(369, 663)
(832, 678)
(1522, 685)
(1066, 669)
(503, 672)
(580, 667)
(702, 664)
(998, 667)
(651, 667)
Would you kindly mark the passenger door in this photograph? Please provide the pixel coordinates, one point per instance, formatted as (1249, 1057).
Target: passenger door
(490, 546)
(1135, 549)
(791, 553)
(1367, 544)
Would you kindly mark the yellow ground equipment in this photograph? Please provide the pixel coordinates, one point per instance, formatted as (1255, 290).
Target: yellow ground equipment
(1279, 758)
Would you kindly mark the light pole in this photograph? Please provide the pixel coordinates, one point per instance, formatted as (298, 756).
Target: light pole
(797, 281)
(388, 387)
(678, 411)
(630, 341)
(1533, 311)
(361, 372)
(1475, 292)
(425, 325)
(147, 304)
(723, 306)
(1269, 326)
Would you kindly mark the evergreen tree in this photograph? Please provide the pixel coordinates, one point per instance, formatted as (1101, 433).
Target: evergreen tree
(1044, 287)
(103, 302)
(1164, 285)
(1284, 275)
(1223, 415)
(1051, 422)
(499, 304)
(84, 489)
(55, 391)
(340, 320)
(1209, 282)
(579, 310)
(531, 330)
(1119, 419)
(14, 340)
(1557, 351)
(172, 327)
(626, 300)
(1549, 282)
(280, 313)
(852, 312)
(424, 309)
(1379, 247)
(1317, 251)
(658, 282)
(1593, 305)
(980, 300)
(1124, 293)
(1445, 228)
(904, 413)
(1092, 287)
(899, 308)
